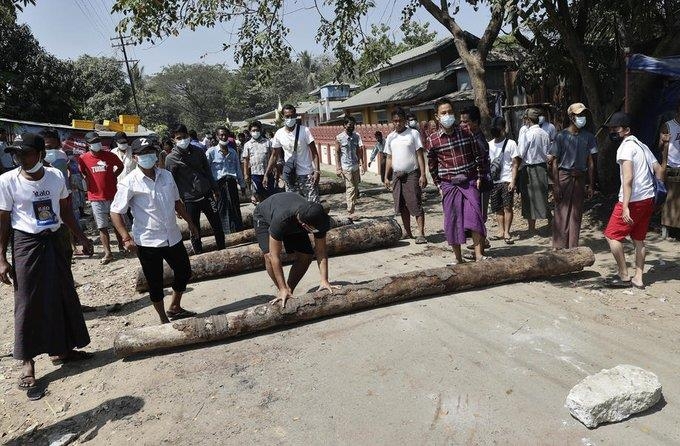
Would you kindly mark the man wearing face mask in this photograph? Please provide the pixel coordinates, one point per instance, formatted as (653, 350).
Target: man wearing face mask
(573, 175)
(305, 157)
(379, 148)
(152, 196)
(197, 188)
(547, 126)
(47, 314)
(635, 207)
(531, 171)
(406, 168)
(256, 153)
(349, 163)
(123, 151)
(225, 166)
(457, 165)
(101, 169)
(6, 162)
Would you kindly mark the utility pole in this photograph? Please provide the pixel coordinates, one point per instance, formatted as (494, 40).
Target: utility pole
(127, 65)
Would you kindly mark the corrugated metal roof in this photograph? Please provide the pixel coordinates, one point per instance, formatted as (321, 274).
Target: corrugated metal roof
(418, 52)
(406, 90)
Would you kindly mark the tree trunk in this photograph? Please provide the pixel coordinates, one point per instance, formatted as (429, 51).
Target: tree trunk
(248, 236)
(383, 291)
(477, 74)
(206, 229)
(227, 262)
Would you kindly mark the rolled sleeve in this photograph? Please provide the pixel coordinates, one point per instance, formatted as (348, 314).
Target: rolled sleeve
(121, 201)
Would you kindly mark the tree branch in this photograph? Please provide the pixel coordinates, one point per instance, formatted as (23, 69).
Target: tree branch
(498, 9)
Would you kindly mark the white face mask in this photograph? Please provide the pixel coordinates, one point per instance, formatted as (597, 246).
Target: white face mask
(447, 121)
(541, 120)
(183, 143)
(413, 124)
(147, 161)
(96, 147)
(255, 135)
(122, 146)
(35, 168)
(51, 155)
(290, 122)
(223, 143)
(580, 121)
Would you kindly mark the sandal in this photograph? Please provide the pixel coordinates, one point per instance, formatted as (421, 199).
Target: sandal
(420, 240)
(617, 282)
(181, 314)
(495, 238)
(72, 356)
(509, 241)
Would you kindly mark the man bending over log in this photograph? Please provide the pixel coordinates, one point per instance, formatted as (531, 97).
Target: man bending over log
(286, 220)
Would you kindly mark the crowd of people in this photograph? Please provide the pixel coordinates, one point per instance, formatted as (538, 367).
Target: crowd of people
(140, 187)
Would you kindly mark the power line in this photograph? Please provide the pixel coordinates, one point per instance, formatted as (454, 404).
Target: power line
(90, 22)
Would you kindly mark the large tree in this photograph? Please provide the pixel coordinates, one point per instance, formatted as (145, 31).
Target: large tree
(262, 33)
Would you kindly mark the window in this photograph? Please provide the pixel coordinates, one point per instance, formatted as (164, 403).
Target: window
(359, 117)
(381, 116)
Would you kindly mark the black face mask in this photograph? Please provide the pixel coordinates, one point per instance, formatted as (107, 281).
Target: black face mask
(495, 132)
(615, 137)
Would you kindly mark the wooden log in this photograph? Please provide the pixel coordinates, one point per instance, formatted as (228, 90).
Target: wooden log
(383, 291)
(227, 262)
(248, 236)
(206, 229)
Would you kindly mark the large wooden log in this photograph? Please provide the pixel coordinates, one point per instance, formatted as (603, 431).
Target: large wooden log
(206, 229)
(383, 291)
(227, 262)
(248, 236)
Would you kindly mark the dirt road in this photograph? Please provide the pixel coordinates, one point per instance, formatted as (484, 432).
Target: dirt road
(489, 366)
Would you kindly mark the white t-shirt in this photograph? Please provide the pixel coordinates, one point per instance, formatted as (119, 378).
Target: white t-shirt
(284, 139)
(129, 163)
(533, 145)
(34, 205)
(495, 149)
(674, 143)
(402, 147)
(643, 160)
(152, 204)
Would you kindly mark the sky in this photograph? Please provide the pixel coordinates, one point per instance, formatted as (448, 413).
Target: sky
(70, 28)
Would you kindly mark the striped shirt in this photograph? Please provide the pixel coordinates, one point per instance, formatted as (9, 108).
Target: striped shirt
(455, 154)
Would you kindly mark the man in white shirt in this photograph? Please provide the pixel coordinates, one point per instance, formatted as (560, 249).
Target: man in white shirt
(501, 198)
(47, 314)
(152, 196)
(406, 167)
(531, 171)
(635, 207)
(6, 162)
(670, 147)
(302, 161)
(123, 151)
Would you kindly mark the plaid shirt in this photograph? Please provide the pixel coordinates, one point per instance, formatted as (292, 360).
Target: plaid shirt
(455, 154)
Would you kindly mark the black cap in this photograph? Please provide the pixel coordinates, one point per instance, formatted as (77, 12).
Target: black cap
(143, 143)
(92, 137)
(618, 119)
(26, 141)
(314, 215)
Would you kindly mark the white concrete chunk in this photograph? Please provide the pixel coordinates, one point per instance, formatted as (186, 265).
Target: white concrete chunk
(613, 395)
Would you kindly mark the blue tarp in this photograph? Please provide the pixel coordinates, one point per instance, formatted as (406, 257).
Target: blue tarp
(668, 66)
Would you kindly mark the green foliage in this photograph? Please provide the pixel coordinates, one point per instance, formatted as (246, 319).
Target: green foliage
(101, 91)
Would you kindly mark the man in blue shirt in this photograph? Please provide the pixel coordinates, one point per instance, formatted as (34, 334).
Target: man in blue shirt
(225, 165)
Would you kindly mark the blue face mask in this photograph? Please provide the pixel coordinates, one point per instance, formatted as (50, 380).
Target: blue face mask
(147, 161)
(580, 121)
(447, 121)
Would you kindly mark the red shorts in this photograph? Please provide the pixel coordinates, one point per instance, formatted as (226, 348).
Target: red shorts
(640, 211)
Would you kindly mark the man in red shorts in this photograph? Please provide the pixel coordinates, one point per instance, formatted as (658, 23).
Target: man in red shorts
(631, 214)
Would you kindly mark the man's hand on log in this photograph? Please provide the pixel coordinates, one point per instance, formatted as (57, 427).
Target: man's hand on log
(328, 287)
(283, 296)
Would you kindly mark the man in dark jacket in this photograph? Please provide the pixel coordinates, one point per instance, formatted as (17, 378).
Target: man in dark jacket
(197, 188)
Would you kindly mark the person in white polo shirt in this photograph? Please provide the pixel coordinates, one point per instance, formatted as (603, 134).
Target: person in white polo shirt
(152, 196)
(300, 156)
(406, 168)
(47, 313)
(635, 207)
(670, 147)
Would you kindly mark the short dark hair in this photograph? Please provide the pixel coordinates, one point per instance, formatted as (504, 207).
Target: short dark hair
(226, 130)
(119, 136)
(399, 112)
(256, 124)
(168, 142)
(410, 115)
(193, 134)
(181, 128)
(288, 107)
(378, 133)
(473, 113)
(441, 101)
(350, 120)
(314, 215)
(49, 132)
(498, 122)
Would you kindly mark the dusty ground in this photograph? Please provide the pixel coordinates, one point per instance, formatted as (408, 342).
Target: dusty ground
(489, 366)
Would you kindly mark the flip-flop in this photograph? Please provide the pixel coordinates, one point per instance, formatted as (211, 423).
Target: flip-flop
(183, 314)
(106, 260)
(494, 238)
(24, 382)
(509, 241)
(72, 356)
(36, 393)
(420, 240)
(617, 282)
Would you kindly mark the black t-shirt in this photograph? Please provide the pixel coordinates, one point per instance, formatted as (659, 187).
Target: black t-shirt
(279, 213)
